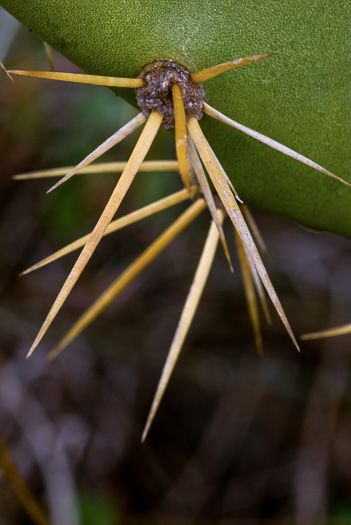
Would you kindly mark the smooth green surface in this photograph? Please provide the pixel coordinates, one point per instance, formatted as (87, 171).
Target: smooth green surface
(302, 97)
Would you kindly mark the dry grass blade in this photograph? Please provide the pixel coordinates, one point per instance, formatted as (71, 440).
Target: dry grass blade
(207, 193)
(101, 167)
(181, 135)
(5, 71)
(211, 72)
(13, 477)
(255, 231)
(269, 142)
(332, 332)
(118, 224)
(130, 274)
(96, 80)
(230, 204)
(142, 147)
(186, 318)
(49, 54)
(117, 137)
(249, 293)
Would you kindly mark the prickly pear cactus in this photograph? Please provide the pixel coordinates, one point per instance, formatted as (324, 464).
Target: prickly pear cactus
(300, 97)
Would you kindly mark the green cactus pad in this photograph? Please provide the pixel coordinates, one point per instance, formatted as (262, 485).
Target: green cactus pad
(300, 97)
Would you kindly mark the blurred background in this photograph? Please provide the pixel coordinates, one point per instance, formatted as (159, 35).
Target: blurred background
(238, 439)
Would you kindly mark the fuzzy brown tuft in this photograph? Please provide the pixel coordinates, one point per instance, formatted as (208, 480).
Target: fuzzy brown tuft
(156, 95)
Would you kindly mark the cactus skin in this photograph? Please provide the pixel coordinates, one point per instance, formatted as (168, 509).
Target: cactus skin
(300, 98)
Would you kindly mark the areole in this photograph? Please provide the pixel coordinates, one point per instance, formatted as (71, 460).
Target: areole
(159, 77)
